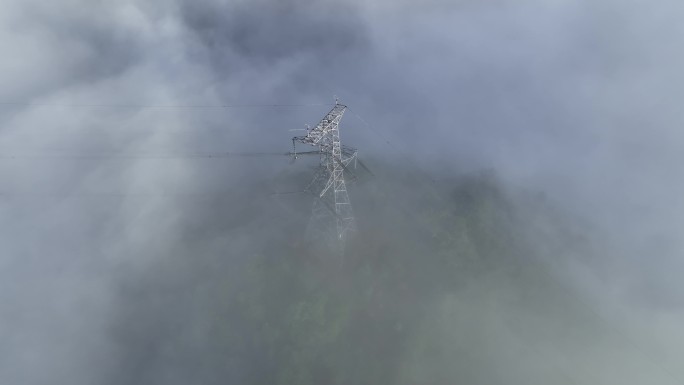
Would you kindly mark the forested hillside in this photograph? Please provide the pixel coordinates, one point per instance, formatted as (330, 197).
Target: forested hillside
(406, 304)
(448, 280)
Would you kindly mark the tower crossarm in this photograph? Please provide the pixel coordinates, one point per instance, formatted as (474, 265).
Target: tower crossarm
(320, 136)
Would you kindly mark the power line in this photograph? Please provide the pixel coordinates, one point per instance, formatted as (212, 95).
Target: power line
(15, 195)
(163, 106)
(373, 130)
(109, 194)
(189, 155)
(289, 192)
(197, 155)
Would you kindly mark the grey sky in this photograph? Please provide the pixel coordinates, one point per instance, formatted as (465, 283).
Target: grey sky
(578, 100)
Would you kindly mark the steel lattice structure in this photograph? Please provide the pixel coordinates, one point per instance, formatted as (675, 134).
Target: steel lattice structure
(332, 217)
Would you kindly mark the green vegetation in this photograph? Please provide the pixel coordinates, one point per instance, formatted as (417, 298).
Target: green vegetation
(437, 285)
(302, 319)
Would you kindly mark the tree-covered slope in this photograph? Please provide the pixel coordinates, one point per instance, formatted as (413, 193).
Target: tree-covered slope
(441, 285)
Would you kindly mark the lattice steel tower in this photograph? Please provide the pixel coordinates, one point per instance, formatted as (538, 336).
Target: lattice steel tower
(332, 218)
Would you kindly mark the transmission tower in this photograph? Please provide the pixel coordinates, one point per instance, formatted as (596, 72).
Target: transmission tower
(332, 218)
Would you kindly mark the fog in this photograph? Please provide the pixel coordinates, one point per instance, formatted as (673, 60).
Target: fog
(521, 224)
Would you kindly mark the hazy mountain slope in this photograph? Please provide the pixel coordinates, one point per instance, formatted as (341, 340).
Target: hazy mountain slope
(442, 285)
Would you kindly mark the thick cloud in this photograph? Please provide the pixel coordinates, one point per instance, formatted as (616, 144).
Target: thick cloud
(574, 102)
